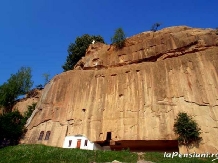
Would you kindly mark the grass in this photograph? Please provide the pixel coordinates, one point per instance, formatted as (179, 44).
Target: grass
(159, 158)
(46, 154)
(42, 154)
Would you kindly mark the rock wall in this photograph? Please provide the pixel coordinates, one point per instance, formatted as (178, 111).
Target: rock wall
(22, 104)
(136, 92)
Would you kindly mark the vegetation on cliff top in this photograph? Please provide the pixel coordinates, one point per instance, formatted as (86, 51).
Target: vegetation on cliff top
(119, 38)
(77, 50)
(155, 27)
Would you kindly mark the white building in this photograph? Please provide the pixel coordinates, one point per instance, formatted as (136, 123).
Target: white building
(81, 142)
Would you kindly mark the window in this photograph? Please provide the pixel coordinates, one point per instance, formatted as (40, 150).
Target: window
(41, 135)
(86, 142)
(70, 142)
(47, 135)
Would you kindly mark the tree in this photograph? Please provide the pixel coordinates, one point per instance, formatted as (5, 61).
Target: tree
(187, 130)
(155, 26)
(18, 84)
(119, 38)
(77, 50)
(11, 127)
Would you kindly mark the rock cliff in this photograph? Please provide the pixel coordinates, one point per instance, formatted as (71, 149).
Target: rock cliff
(136, 92)
(32, 97)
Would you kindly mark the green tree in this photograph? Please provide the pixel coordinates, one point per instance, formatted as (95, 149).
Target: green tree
(11, 127)
(155, 26)
(77, 50)
(18, 84)
(187, 130)
(119, 38)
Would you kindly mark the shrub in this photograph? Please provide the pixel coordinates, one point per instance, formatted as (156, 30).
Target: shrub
(187, 130)
(11, 127)
(155, 26)
(119, 38)
(40, 86)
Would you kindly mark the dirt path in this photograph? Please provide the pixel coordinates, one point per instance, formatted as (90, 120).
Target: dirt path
(141, 158)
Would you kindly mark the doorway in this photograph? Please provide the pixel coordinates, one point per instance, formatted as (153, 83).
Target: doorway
(108, 138)
(78, 143)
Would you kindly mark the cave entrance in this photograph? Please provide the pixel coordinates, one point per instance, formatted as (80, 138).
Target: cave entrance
(108, 138)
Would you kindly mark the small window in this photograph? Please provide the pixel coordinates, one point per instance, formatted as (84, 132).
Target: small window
(86, 142)
(41, 135)
(47, 135)
(70, 142)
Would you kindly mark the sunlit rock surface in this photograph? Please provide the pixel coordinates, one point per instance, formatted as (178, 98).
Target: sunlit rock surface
(136, 92)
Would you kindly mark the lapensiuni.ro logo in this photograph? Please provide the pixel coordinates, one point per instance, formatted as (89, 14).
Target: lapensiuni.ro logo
(192, 155)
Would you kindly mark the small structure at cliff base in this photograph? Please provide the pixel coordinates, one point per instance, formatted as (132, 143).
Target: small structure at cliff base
(80, 142)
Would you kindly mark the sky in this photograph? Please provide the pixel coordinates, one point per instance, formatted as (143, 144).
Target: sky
(37, 33)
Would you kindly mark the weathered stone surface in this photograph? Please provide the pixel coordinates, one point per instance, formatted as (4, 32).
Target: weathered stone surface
(136, 92)
(22, 104)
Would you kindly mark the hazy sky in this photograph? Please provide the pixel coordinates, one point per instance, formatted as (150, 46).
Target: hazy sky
(36, 33)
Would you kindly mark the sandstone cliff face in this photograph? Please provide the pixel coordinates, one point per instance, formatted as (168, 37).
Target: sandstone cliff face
(32, 97)
(22, 104)
(136, 92)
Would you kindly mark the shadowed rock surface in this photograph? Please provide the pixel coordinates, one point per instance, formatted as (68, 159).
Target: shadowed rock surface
(136, 92)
